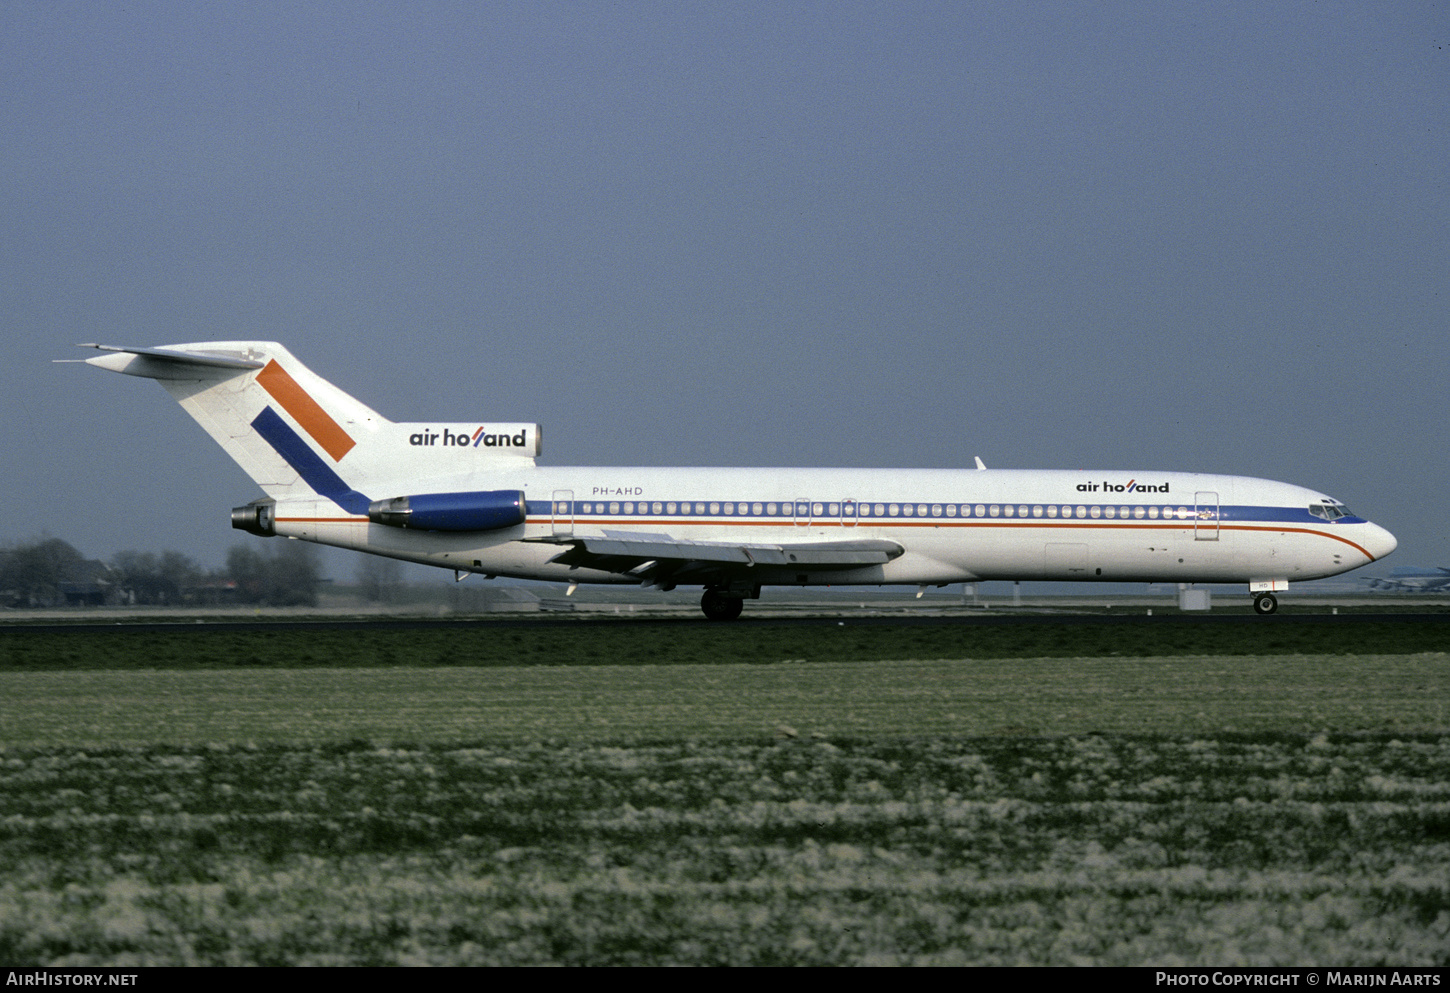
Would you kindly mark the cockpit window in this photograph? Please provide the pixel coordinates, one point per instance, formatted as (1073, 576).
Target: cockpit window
(1329, 511)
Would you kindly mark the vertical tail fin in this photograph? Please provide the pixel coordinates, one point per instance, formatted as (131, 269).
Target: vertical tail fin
(301, 438)
(288, 428)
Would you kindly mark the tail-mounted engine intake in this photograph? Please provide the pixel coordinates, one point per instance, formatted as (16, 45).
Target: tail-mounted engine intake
(257, 517)
(487, 510)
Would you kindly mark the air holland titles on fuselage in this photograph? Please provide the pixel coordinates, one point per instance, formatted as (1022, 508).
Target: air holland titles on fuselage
(465, 440)
(1131, 486)
(472, 498)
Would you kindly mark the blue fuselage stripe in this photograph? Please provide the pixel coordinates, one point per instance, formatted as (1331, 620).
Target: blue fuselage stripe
(314, 472)
(785, 510)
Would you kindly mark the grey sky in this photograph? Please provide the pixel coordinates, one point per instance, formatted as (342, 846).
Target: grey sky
(1166, 236)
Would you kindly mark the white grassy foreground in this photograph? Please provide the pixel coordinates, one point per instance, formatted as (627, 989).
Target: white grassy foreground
(1103, 849)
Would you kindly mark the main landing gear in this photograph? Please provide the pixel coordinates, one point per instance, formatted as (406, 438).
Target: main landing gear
(721, 606)
(1265, 603)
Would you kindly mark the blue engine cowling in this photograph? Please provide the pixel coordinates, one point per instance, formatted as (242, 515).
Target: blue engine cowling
(486, 510)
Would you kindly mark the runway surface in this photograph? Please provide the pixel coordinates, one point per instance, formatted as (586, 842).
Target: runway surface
(835, 619)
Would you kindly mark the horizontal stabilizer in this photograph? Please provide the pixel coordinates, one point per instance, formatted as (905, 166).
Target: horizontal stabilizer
(169, 359)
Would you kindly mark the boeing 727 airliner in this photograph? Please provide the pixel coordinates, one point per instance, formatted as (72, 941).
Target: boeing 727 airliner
(471, 497)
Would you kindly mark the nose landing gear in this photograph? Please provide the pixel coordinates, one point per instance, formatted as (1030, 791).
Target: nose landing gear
(1265, 603)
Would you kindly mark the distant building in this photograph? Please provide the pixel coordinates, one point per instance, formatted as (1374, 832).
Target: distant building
(89, 583)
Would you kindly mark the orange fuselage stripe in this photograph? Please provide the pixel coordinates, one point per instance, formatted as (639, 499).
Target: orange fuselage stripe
(720, 521)
(936, 523)
(305, 411)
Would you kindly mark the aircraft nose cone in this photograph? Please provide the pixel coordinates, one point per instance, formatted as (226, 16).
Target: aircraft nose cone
(1380, 542)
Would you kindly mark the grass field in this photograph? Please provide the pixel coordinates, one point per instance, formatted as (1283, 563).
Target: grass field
(283, 797)
(726, 701)
(1123, 850)
(691, 642)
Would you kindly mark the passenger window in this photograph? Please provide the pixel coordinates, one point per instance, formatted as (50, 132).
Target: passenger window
(951, 510)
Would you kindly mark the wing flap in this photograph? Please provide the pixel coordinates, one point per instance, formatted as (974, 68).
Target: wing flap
(642, 550)
(648, 554)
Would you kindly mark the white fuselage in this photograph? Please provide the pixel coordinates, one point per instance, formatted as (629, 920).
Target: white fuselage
(954, 525)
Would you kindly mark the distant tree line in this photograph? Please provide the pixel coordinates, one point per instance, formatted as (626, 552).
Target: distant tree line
(379, 579)
(50, 572)
(286, 578)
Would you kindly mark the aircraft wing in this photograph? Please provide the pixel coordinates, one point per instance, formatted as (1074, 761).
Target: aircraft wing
(663, 560)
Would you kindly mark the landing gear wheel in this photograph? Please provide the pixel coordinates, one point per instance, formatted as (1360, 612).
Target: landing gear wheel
(719, 607)
(1265, 603)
